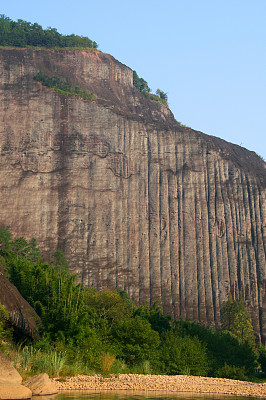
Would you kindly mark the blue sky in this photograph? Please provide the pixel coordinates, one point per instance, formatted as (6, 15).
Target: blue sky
(208, 55)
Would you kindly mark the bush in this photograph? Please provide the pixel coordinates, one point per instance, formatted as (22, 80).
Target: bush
(136, 340)
(232, 372)
(262, 359)
(4, 334)
(183, 355)
(63, 87)
(221, 347)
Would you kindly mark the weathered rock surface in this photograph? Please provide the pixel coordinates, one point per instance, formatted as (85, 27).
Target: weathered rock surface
(134, 200)
(41, 385)
(14, 392)
(21, 315)
(8, 372)
(10, 381)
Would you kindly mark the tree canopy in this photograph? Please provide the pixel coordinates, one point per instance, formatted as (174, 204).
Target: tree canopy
(23, 33)
(235, 319)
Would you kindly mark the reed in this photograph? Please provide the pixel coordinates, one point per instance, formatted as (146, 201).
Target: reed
(107, 362)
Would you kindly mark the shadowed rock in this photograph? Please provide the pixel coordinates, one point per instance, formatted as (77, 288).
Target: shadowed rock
(21, 315)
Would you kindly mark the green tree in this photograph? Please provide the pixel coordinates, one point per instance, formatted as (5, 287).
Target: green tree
(262, 358)
(222, 347)
(183, 355)
(154, 315)
(107, 305)
(235, 319)
(3, 320)
(162, 95)
(23, 33)
(140, 83)
(136, 340)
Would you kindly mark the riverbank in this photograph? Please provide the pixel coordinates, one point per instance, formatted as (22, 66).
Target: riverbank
(178, 383)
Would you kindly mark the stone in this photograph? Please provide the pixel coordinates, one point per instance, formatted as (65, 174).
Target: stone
(10, 381)
(135, 200)
(14, 392)
(41, 385)
(8, 373)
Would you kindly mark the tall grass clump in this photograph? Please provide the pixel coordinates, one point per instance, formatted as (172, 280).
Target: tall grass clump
(30, 361)
(107, 362)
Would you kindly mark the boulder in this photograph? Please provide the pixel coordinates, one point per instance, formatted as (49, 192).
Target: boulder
(41, 385)
(8, 373)
(10, 381)
(10, 391)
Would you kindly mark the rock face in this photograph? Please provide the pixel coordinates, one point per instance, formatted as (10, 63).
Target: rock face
(134, 200)
(21, 315)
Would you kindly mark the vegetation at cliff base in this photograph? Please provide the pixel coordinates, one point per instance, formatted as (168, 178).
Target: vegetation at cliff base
(23, 33)
(62, 86)
(143, 87)
(85, 330)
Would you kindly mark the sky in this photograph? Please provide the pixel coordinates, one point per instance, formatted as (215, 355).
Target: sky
(209, 56)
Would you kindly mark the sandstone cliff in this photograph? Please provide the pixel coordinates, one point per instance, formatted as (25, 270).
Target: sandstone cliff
(134, 200)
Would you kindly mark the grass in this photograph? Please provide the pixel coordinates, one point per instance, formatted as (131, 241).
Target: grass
(30, 361)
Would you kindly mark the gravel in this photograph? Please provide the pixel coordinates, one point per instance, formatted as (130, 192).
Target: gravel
(177, 383)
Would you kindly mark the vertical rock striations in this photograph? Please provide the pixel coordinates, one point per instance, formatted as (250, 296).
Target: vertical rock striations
(134, 200)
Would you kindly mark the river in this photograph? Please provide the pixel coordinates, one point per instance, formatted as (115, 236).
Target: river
(130, 395)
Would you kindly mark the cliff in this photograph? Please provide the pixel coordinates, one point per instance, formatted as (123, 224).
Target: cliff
(135, 200)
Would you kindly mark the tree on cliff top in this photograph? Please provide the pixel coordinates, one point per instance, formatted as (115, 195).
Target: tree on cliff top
(23, 33)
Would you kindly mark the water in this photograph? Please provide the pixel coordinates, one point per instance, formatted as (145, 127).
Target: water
(130, 395)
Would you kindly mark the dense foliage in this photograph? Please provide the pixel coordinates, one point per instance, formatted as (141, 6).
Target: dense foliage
(143, 87)
(23, 33)
(235, 319)
(85, 330)
(63, 87)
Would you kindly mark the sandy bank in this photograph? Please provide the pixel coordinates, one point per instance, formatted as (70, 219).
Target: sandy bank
(178, 383)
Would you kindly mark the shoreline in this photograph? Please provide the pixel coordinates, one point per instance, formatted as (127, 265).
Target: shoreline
(162, 383)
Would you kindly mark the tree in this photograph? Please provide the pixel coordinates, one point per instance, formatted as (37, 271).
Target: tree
(162, 95)
(183, 355)
(235, 319)
(136, 340)
(140, 83)
(262, 358)
(3, 319)
(108, 306)
(155, 317)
